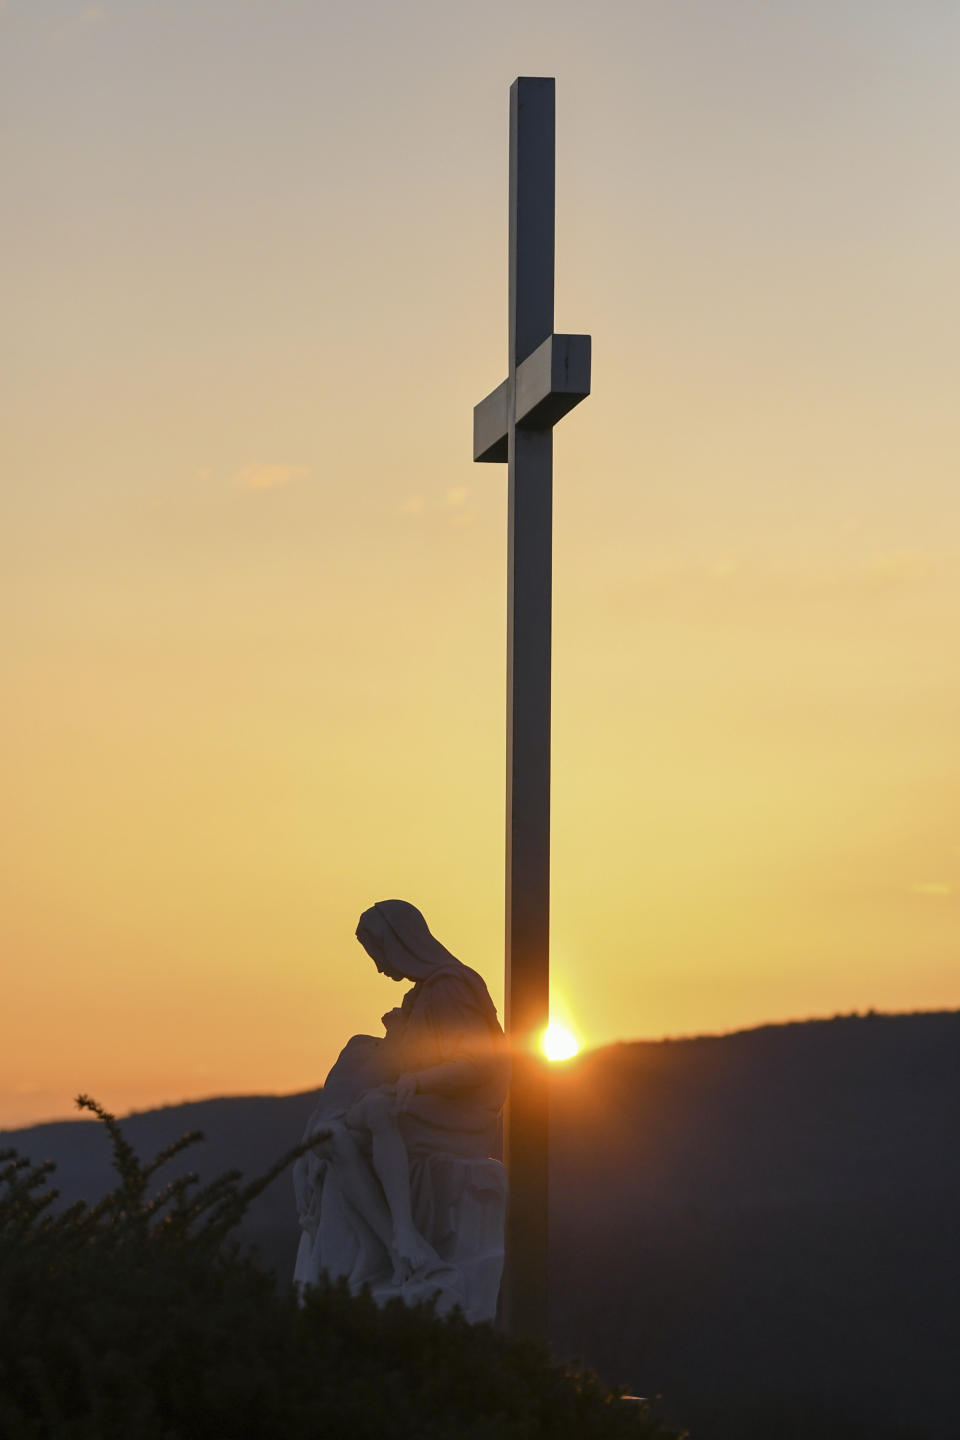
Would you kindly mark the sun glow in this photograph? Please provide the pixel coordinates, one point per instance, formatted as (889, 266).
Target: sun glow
(559, 1043)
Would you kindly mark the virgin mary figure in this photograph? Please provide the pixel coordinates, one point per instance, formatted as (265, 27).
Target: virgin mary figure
(401, 1191)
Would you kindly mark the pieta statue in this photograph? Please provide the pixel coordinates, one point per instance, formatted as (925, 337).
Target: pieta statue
(402, 1193)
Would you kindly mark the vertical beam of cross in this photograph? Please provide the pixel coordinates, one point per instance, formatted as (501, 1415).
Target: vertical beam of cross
(547, 375)
(529, 591)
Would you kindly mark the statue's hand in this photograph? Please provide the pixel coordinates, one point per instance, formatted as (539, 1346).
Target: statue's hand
(404, 1091)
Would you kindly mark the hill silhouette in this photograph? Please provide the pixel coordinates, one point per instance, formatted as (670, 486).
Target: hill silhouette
(761, 1227)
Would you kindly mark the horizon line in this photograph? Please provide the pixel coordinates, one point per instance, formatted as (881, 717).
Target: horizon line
(869, 1014)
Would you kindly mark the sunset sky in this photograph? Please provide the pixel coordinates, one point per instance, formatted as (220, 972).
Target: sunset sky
(254, 603)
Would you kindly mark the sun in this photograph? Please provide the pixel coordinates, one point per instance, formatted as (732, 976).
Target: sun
(559, 1043)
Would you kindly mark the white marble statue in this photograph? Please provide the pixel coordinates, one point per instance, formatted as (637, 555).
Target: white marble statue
(402, 1195)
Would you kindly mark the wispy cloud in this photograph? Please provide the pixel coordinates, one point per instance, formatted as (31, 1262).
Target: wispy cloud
(456, 497)
(413, 505)
(933, 887)
(745, 579)
(726, 568)
(269, 477)
(86, 19)
(897, 567)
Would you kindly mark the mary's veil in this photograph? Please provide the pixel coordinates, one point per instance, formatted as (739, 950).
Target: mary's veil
(412, 951)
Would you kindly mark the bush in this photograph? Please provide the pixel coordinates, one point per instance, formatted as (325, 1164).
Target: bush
(136, 1318)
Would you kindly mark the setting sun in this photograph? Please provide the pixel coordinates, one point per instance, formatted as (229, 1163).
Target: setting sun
(559, 1043)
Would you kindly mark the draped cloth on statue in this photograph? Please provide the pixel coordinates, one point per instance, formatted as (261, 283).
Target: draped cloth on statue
(446, 1034)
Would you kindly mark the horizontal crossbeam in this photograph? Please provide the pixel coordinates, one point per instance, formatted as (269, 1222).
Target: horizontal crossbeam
(549, 383)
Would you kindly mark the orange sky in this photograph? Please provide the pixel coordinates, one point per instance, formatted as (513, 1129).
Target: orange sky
(254, 589)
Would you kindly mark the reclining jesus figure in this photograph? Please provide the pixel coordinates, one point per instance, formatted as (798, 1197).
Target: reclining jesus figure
(401, 1193)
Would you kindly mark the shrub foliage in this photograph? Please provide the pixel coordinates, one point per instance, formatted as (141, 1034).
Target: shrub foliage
(133, 1318)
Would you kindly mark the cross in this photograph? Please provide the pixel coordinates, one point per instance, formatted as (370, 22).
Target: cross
(547, 375)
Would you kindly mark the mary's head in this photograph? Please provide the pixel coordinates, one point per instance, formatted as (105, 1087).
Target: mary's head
(398, 940)
(372, 934)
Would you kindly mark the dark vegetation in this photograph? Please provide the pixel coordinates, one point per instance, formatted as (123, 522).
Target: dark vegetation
(763, 1228)
(130, 1319)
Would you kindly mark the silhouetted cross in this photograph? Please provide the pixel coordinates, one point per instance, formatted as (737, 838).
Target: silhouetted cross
(548, 375)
